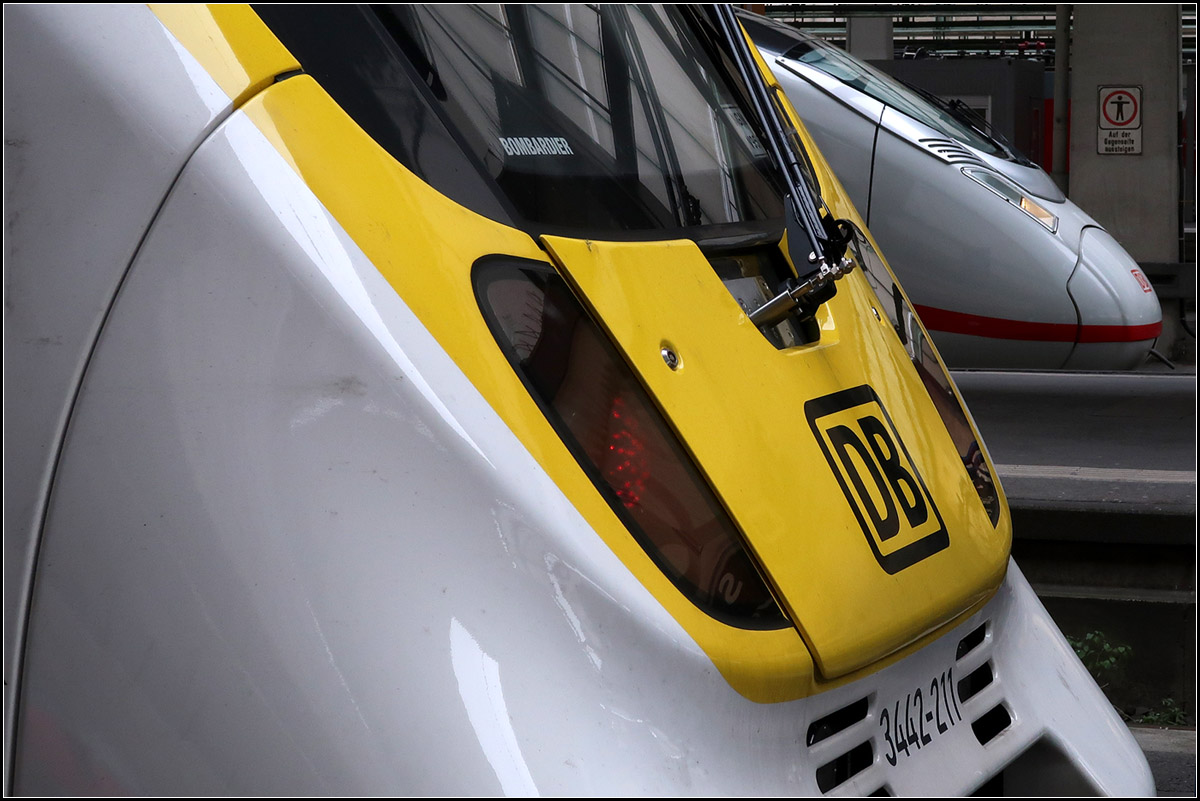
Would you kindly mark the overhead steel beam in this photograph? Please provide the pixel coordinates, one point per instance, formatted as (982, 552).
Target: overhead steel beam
(956, 28)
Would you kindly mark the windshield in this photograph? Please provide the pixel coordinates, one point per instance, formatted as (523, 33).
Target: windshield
(597, 118)
(839, 64)
(852, 72)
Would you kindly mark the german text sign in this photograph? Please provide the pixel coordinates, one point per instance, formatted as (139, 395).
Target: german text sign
(1119, 118)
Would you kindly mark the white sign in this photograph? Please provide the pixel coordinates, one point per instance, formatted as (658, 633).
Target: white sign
(1119, 121)
(739, 122)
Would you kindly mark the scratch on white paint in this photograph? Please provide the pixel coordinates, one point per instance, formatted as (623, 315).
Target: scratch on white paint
(503, 539)
(569, 613)
(333, 664)
(311, 413)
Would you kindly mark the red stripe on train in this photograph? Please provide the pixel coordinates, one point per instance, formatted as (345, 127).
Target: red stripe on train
(953, 322)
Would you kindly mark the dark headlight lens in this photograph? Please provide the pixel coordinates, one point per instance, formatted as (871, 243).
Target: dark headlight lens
(933, 375)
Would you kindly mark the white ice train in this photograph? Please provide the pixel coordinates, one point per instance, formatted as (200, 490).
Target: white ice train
(423, 400)
(1004, 270)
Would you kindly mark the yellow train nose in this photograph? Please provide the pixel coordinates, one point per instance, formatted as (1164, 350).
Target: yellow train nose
(833, 458)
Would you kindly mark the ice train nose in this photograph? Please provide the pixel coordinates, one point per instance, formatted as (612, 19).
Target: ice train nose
(1119, 315)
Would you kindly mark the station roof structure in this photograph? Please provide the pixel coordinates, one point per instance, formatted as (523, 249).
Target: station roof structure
(956, 30)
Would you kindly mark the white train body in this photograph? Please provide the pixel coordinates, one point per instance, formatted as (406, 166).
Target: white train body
(265, 533)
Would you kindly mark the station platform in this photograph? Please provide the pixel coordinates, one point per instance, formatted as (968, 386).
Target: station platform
(1172, 757)
(1100, 474)
(1091, 442)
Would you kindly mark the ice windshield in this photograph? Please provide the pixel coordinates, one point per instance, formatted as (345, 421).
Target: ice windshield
(852, 72)
(598, 118)
(839, 64)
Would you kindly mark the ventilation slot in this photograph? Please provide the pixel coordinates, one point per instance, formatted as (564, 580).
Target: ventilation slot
(992, 723)
(854, 761)
(975, 681)
(969, 643)
(950, 150)
(838, 721)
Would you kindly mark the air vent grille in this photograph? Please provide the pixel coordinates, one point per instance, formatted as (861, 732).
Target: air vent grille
(837, 721)
(841, 743)
(994, 721)
(951, 151)
(972, 641)
(838, 770)
(846, 742)
(975, 681)
(973, 657)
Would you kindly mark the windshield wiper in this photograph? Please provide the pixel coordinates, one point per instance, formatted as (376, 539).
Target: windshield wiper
(975, 121)
(827, 237)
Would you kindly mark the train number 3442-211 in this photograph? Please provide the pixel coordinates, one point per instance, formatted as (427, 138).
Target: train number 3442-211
(911, 723)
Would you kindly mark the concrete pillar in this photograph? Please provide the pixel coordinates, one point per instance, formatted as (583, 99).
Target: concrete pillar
(1136, 197)
(869, 38)
(1062, 88)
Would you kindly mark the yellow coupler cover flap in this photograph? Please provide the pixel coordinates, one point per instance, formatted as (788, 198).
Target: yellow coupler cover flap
(808, 448)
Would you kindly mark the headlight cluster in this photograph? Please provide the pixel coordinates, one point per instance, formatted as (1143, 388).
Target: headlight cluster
(613, 428)
(1013, 194)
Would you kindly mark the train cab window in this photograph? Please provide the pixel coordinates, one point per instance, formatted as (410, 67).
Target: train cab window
(597, 119)
(344, 48)
(585, 120)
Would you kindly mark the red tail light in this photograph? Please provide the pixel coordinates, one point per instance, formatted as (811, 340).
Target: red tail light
(618, 436)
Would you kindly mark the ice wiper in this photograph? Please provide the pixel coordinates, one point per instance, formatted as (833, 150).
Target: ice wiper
(826, 237)
(977, 121)
(973, 120)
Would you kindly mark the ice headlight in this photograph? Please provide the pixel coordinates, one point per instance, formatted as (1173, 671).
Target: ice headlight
(1013, 194)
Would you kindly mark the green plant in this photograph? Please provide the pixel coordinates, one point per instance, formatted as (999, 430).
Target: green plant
(1104, 659)
(1168, 713)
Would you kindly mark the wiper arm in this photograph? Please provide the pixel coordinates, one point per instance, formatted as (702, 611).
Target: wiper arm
(977, 121)
(955, 108)
(973, 120)
(800, 200)
(828, 238)
(969, 116)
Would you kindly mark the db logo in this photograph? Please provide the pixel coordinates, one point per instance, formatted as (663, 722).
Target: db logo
(1142, 281)
(881, 482)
